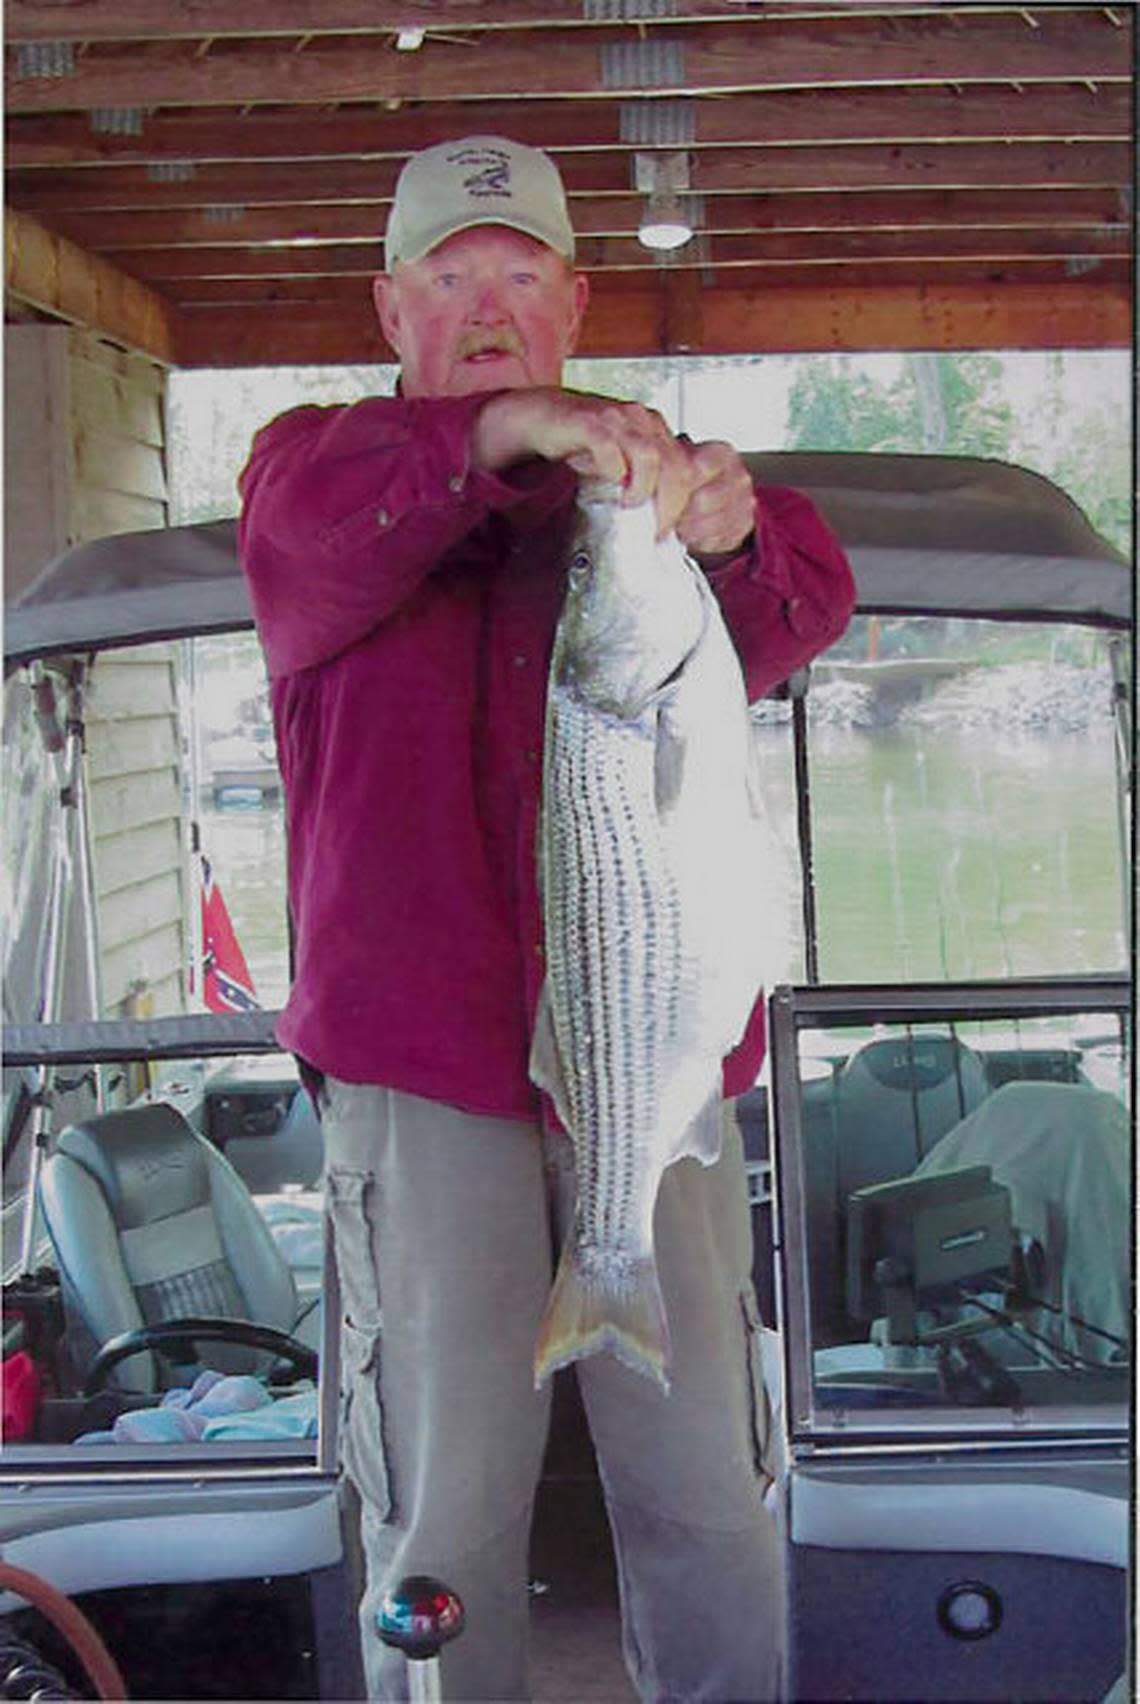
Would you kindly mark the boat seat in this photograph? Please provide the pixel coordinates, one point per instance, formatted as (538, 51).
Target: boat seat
(895, 1098)
(149, 1222)
(874, 1118)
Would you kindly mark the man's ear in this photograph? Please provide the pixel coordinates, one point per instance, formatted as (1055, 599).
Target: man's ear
(578, 310)
(384, 301)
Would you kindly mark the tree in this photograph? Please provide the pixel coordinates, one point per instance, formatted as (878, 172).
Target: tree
(1094, 470)
(212, 417)
(944, 403)
(955, 404)
(1087, 450)
(834, 406)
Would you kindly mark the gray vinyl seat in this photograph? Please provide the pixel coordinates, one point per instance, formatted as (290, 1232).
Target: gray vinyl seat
(895, 1098)
(149, 1222)
(872, 1119)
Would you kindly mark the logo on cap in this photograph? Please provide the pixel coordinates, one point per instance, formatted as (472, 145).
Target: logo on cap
(494, 174)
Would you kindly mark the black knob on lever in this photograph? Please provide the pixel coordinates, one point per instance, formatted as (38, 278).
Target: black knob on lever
(417, 1617)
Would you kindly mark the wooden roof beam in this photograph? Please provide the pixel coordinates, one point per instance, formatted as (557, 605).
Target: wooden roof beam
(48, 273)
(777, 320)
(820, 118)
(599, 254)
(142, 20)
(616, 215)
(771, 52)
(320, 296)
(929, 166)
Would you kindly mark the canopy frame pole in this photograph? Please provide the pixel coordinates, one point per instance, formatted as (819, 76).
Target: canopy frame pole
(797, 687)
(63, 739)
(1119, 662)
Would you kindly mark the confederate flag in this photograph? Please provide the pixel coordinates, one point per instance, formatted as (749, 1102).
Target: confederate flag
(227, 985)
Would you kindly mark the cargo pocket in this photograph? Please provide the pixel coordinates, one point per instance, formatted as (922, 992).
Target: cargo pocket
(361, 1436)
(362, 1451)
(763, 1440)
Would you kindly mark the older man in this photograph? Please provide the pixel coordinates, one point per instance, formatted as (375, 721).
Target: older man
(407, 564)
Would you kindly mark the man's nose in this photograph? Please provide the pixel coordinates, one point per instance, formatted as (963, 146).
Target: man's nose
(489, 304)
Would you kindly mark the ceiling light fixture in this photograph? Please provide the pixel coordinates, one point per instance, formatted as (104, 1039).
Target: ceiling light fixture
(666, 222)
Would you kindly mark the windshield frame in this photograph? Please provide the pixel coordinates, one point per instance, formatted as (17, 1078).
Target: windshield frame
(811, 1430)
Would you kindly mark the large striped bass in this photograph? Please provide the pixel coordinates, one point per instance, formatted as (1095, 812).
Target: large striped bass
(653, 864)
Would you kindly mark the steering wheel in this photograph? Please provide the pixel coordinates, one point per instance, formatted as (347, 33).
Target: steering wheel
(300, 1357)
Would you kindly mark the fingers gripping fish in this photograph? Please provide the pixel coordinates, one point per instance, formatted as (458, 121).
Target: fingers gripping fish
(653, 864)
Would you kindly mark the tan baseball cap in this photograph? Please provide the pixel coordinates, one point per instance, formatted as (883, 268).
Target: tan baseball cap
(479, 180)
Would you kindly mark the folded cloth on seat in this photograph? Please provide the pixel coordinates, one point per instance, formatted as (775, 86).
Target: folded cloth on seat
(215, 1406)
(219, 1393)
(151, 1426)
(288, 1417)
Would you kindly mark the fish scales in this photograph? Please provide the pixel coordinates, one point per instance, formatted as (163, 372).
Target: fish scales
(650, 847)
(607, 924)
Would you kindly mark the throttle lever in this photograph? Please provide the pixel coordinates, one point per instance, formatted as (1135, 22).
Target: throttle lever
(418, 1616)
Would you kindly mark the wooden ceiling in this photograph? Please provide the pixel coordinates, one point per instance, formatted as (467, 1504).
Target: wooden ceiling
(209, 179)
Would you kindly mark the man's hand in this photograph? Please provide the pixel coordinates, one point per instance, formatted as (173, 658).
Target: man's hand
(703, 491)
(620, 443)
(720, 513)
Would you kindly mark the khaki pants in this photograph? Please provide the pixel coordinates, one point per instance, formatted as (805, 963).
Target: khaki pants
(442, 1233)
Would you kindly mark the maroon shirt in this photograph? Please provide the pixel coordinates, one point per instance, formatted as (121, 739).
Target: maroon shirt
(407, 603)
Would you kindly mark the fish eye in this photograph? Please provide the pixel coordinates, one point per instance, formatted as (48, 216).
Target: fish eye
(580, 566)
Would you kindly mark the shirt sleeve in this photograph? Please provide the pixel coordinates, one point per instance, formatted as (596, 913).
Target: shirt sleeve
(789, 594)
(345, 511)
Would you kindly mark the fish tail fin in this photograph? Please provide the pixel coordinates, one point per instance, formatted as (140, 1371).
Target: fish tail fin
(601, 1302)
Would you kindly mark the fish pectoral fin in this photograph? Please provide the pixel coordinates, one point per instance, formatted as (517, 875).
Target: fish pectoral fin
(703, 1138)
(545, 1064)
(613, 1304)
(668, 766)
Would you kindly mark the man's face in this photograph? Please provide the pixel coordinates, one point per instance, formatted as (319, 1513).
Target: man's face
(487, 309)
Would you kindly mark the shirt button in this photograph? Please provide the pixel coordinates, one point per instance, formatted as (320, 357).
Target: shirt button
(382, 517)
(456, 483)
(520, 661)
(532, 757)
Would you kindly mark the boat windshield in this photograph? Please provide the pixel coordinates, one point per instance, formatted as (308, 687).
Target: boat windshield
(965, 809)
(955, 1188)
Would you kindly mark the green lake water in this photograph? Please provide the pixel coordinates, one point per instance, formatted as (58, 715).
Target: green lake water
(937, 855)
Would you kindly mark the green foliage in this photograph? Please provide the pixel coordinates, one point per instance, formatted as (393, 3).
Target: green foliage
(212, 418)
(830, 409)
(952, 404)
(956, 405)
(1093, 467)
(944, 403)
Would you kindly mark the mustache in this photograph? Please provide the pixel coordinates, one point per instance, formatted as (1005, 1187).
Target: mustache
(503, 341)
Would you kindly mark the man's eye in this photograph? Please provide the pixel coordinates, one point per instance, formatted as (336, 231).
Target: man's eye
(524, 277)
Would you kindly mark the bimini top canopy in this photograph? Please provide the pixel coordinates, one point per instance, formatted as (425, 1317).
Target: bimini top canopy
(927, 535)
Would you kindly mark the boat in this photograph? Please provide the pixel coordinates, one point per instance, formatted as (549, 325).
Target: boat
(929, 1159)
